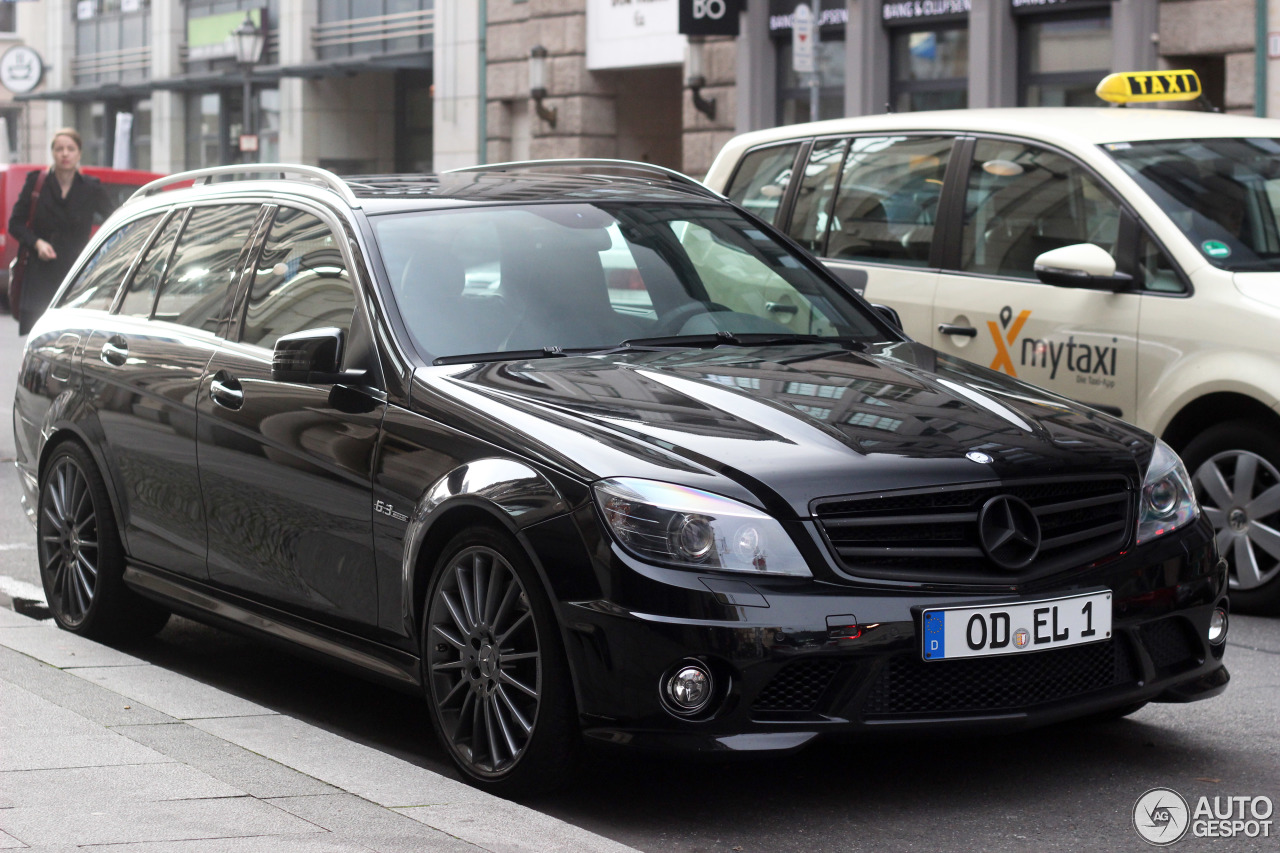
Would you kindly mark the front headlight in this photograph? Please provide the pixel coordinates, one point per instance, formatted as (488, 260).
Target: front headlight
(1167, 501)
(690, 528)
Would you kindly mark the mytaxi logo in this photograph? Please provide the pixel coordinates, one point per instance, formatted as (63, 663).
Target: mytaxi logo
(1004, 339)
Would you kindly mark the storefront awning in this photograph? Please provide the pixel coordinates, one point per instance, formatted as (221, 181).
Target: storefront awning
(343, 67)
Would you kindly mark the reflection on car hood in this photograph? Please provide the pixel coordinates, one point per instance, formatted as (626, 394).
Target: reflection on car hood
(787, 424)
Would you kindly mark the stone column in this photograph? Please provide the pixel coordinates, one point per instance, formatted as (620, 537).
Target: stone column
(993, 51)
(867, 75)
(168, 108)
(299, 134)
(456, 103)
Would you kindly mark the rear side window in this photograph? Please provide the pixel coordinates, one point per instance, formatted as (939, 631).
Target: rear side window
(887, 202)
(812, 211)
(141, 294)
(99, 279)
(761, 180)
(300, 281)
(203, 268)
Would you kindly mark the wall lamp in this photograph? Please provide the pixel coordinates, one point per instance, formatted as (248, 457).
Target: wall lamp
(538, 84)
(696, 78)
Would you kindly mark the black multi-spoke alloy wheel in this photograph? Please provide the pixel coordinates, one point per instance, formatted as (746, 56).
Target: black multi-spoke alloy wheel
(81, 558)
(496, 680)
(1235, 469)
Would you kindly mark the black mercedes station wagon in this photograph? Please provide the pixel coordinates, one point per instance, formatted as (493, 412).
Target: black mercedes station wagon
(585, 453)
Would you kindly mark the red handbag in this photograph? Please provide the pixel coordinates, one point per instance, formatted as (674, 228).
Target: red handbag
(18, 266)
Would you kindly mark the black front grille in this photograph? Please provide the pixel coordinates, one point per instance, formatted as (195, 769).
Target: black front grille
(1171, 644)
(908, 686)
(932, 535)
(797, 687)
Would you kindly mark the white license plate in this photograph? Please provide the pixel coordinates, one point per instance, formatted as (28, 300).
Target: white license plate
(1010, 629)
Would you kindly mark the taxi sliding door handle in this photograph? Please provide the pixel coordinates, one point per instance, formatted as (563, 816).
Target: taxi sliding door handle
(962, 331)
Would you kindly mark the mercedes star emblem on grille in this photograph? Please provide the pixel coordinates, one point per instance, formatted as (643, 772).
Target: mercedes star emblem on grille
(1009, 532)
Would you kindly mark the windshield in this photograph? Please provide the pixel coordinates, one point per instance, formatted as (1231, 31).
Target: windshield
(1224, 194)
(582, 277)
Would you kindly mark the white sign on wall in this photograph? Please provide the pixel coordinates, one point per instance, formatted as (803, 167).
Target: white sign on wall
(633, 34)
(804, 27)
(20, 69)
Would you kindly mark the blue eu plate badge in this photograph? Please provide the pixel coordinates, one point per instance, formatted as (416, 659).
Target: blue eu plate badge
(935, 637)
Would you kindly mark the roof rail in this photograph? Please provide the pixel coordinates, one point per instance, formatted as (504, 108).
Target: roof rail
(601, 164)
(308, 174)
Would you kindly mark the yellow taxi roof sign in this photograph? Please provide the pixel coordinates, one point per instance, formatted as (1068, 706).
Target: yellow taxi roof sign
(1144, 87)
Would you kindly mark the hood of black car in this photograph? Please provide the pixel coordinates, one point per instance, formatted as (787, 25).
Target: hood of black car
(789, 424)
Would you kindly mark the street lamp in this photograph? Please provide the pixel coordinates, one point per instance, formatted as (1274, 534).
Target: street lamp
(249, 39)
(538, 84)
(696, 78)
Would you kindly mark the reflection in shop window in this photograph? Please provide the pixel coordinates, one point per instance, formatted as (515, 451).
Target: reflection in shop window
(930, 69)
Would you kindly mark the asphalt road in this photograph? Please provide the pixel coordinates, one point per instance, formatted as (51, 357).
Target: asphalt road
(1070, 787)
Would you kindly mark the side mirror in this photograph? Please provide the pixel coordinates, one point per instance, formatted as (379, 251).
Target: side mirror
(889, 315)
(1082, 265)
(314, 355)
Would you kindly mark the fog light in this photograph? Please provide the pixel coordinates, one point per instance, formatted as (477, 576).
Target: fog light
(1218, 626)
(689, 690)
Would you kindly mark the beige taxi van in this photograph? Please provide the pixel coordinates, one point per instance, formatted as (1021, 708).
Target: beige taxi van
(1128, 258)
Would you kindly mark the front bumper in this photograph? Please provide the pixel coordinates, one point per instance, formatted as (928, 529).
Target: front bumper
(784, 676)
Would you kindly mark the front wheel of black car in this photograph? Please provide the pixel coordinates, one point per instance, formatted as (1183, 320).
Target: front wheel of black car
(1235, 469)
(497, 684)
(81, 557)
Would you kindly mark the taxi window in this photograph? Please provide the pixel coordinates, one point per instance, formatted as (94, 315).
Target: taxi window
(1223, 194)
(1023, 201)
(813, 201)
(761, 180)
(887, 201)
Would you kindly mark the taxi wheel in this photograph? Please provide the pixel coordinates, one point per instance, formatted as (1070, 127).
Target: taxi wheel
(496, 681)
(1235, 469)
(81, 556)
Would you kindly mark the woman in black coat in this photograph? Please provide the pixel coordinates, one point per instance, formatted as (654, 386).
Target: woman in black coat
(61, 227)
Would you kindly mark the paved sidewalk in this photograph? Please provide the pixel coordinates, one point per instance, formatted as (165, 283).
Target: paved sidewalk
(100, 748)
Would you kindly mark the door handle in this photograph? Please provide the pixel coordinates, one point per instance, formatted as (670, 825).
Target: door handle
(115, 351)
(962, 331)
(226, 392)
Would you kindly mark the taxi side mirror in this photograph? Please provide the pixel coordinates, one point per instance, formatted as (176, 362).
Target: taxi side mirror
(1082, 265)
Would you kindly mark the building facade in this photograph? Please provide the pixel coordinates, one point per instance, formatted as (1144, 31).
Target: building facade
(414, 85)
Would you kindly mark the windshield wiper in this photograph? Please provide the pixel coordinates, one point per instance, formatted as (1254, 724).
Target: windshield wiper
(748, 339)
(502, 355)
(669, 342)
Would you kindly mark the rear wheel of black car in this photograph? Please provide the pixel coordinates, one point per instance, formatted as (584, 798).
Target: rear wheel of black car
(81, 557)
(497, 684)
(1235, 469)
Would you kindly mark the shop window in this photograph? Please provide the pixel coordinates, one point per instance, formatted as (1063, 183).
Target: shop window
(1063, 58)
(930, 68)
(793, 89)
(1022, 201)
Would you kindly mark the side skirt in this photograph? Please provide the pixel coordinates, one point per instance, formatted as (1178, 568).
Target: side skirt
(217, 608)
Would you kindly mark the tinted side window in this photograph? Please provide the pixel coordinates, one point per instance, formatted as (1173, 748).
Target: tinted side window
(100, 278)
(887, 202)
(817, 184)
(141, 294)
(761, 180)
(194, 291)
(1023, 201)
(300, 282)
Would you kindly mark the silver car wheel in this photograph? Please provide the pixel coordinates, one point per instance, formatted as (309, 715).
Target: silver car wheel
(1240, 493)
